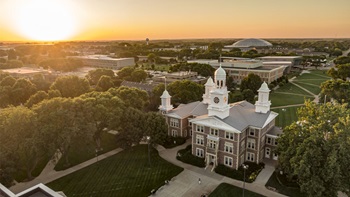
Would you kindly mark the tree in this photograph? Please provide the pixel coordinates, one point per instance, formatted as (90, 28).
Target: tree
(315, 149)
(21, 91)
(132, 97)
(94, 75)
(336, 89)
(131, 127)
(104, 111)
(252, 81)
(20, 138)
(8, 81)
(248, 95)
(185, 91)
(155, 127)
(62, 122)
(39, 81)
(36, 98)
(71, 86)
(138, 75)
(105, 83)
(125, 72)
(341, 71)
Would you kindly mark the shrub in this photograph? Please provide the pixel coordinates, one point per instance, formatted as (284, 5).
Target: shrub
(251, 173)
(171, 142)
(186, 156)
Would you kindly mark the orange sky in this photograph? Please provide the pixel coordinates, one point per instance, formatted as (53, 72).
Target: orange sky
(163, 19)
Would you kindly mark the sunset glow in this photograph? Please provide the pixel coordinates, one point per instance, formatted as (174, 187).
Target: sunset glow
(158, 19)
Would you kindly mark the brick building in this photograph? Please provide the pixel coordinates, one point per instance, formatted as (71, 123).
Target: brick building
(224, 133)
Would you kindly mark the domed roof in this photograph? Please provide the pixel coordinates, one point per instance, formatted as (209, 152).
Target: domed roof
(264, 88)
(251, 42)
(220, 73)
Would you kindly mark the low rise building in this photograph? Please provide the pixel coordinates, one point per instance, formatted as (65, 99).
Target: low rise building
(103, 61)
(178, 76)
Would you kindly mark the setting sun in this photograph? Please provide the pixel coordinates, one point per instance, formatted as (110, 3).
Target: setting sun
(45, 20)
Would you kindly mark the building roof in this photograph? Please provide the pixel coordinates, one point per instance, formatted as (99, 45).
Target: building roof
(280, 57)
(251, 42)
(142, 86)
(242, 114)
(275, 131)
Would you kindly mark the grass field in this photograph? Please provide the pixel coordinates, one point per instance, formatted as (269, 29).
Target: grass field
(311, 87)
(286, 116)
(280, 99)
(289, 191)
(227, 190)
(79, 153)
(124, 174)
(290, 88)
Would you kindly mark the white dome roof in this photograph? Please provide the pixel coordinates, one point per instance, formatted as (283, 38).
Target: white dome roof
(220, 73)
(251, 42)
(165, 94)
(264, 87)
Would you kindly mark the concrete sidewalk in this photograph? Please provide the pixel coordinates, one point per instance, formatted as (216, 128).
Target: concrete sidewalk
(186, 183)
(50, 175)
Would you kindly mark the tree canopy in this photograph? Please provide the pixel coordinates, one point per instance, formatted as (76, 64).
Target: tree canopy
(252, 82)
(202, 69)
(71, 86)
(315, 149)
(94, 75)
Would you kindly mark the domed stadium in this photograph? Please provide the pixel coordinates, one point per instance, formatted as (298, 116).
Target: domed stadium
(251, 42)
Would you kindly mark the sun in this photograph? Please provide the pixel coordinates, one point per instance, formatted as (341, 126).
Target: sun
(45, 20)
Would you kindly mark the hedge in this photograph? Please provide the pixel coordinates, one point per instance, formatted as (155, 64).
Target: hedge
(251, 173)
(185, 155)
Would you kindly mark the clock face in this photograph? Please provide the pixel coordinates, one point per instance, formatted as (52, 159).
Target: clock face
(216, 100)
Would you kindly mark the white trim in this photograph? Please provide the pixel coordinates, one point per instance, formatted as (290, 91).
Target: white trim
(41, 187)
(228, 158)
(214, 122)
(271, 117)
(6, 191)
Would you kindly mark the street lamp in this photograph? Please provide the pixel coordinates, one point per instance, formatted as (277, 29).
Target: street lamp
(149, 150)
(245, 167)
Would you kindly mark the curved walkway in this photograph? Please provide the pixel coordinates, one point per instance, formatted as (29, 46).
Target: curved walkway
(49, 174)
(186, 183)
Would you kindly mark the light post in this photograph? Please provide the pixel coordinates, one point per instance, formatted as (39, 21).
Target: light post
(149, 150)
(96, 151)
(245, 167)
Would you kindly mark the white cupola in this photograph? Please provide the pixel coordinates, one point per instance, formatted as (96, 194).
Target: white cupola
(165, 102)
(220, 78)
(262, 105)
(209, 86)
(218, 96)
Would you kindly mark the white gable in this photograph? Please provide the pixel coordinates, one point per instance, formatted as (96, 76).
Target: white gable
(214, 122)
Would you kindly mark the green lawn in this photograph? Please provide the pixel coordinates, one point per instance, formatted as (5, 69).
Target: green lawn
(286, 116)
(124, 174)
(227, 190)
(312, 88)
(79, 152)
(288, 191)
(316, 82)
(290, 88)
(278, 99)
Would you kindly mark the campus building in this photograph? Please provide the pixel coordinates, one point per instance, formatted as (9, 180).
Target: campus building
(178, 76)
(103, 61)
(248, 44)
(239, 68)
(224, 133)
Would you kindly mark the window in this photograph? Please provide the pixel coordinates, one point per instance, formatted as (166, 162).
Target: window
(275, 156)
(174, 133)
(211, 144)
(228, 147)
(251, 132)
(229, 135)
(250, 156)
(242, 159)
(199, 152)
(228, 161)
(268, 140)
(200, 128)
(214, 131)
(275, 142)
(251, 143)
(200, 139)
(243, 146)
(174, 122)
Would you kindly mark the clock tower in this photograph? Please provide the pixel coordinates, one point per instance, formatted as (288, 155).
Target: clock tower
(218, 104)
